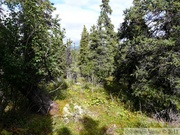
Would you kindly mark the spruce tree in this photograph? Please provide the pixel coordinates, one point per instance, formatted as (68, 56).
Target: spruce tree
(105, 44)
(84, 53)
(68, 57)
(30, 52)
(74, 65)
(93, 54)
(148, 58)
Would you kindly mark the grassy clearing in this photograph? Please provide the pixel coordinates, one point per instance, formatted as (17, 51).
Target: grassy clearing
(102, 114)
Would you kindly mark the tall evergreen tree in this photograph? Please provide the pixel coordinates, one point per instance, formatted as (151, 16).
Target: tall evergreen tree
(93, 54)
(104, 50)
(72, 69)
(68, 58)
(148, 59)
(84, 53)
(74, 65)
(31, 43)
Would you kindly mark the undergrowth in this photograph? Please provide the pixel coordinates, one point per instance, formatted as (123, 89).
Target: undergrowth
(104, 113)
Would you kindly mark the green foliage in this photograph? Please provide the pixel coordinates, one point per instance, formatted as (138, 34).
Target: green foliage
(87, 86)
(64, 131)
(84, 63)
(4, 132)
(32, 47)
(97, 101)
(146, 67)
(72, 68)
(38, 124)
(103, 43)
(56, 89)
(148, 58)
(108, 115)
(119, 92)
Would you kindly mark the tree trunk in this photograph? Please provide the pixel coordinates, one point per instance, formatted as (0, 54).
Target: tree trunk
(39, 100)
(3, 102)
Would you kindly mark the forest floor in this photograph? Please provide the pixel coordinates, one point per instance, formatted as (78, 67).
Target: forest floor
(83, 109)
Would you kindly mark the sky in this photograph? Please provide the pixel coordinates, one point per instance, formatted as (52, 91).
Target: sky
(74, 14)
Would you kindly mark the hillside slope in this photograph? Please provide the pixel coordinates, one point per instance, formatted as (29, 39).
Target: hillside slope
(83, 109)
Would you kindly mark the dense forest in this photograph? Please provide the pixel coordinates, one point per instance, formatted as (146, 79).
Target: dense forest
(139, 64)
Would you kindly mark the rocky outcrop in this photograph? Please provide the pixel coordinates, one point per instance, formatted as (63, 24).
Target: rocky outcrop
(73, 112)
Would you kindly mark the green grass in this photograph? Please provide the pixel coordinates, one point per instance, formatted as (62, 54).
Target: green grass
(103, 114)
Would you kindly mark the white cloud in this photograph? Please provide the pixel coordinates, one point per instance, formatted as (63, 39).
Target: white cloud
(76, 13)
(73, 19)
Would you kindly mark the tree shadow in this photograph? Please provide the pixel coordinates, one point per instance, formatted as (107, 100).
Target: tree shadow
(91, 127)
(119, 91)
(64, 131)
(115, 88)
(19, 119)
(18, 123)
